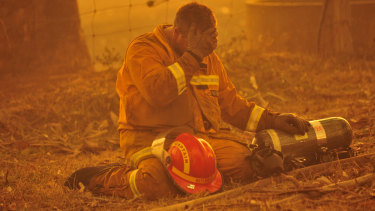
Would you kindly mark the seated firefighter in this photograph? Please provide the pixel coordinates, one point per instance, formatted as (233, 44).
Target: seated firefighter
(174, 96)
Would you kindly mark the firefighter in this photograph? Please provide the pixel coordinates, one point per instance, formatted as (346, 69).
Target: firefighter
(171, 78)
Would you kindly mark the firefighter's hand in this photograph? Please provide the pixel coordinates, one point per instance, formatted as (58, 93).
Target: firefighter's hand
(290, 123)
(201, 43)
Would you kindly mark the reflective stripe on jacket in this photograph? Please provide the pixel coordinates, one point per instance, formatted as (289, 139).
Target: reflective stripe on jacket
(158, 89)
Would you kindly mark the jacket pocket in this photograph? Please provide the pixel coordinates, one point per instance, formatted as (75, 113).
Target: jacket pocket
(140, 113)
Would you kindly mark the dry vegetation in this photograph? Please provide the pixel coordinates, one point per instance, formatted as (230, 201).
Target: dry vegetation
(51, 125)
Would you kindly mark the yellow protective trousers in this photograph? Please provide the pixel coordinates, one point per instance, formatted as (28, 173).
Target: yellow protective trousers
(149, 179)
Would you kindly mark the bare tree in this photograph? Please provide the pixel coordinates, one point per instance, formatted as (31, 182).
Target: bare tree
(335, 29)
(37, 34)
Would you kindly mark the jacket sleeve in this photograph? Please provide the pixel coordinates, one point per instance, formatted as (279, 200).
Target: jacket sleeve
(236, 110)
(157, 82)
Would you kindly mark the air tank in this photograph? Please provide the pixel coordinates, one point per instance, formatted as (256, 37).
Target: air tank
(327, 134)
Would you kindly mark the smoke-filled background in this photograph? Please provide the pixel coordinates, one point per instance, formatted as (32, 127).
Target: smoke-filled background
(273, 26)
(94, 33)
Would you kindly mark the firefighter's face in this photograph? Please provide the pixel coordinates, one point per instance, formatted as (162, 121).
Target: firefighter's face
(181, 40)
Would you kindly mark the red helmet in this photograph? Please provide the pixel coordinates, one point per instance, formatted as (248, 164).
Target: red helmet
(193, 165)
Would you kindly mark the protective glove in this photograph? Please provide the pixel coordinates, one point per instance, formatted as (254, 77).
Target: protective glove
(201, 44)
(289, 123)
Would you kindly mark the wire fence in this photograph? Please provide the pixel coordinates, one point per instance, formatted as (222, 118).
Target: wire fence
(129, 29)
(132, 28)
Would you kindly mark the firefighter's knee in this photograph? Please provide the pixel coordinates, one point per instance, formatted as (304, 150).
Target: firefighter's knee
(232, 160)
(151, 180)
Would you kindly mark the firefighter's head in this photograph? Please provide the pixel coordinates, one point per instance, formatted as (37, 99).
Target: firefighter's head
(192, 13)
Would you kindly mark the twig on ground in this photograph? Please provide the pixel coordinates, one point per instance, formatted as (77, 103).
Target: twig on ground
(292, 179)
(6, 182)
(295, 198)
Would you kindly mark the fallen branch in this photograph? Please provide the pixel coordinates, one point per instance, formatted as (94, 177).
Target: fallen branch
(300, 191)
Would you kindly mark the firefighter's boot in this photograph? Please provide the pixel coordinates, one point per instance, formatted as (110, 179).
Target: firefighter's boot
(84, 175)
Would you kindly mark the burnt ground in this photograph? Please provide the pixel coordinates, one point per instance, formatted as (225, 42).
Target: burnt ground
(53, 124)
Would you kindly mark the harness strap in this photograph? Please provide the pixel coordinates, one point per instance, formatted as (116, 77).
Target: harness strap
(157, 148)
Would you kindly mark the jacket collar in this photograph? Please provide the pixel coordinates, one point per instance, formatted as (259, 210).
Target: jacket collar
(161, 36)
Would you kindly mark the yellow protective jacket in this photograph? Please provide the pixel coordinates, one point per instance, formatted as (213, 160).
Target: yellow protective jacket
(159, 89)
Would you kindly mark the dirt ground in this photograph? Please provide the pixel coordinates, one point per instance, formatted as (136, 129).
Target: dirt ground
(54, 124)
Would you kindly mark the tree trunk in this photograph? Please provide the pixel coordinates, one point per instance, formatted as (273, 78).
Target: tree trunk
(335, 29)
(41, 34)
